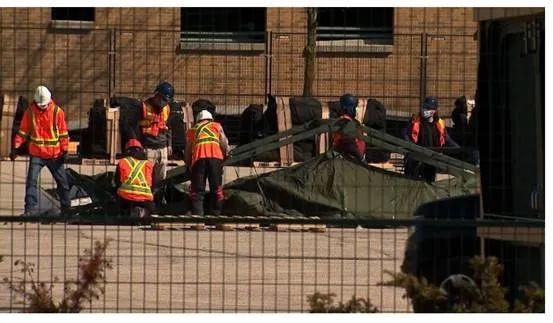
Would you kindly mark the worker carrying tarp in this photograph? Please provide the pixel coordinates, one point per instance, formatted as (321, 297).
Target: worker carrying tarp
(43, 126)
(155, 131)
(426, 129)
(347, 141)
(133, 179)
(204, 155)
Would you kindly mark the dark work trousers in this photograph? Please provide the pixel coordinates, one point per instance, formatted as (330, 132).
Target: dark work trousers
(55, 166)
(212, 170)
(135, 209)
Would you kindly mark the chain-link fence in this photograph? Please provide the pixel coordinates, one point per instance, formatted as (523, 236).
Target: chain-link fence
(299, 219)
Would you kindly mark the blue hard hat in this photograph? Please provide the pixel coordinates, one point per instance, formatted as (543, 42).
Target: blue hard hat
(430, 103)
(166, 90)
(348, 101)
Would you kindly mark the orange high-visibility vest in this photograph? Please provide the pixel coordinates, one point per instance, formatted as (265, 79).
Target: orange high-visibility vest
(136, 179)
(204, 140)
(153, 122)
(415, 129)
(45, 130)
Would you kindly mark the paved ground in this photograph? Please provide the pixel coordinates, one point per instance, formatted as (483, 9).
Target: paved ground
(184, 270)
(235, 271)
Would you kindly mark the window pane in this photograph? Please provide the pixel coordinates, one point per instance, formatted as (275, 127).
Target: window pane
(355, 23)
(79, 14)
(225, 24)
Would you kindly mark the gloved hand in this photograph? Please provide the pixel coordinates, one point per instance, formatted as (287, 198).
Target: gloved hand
(13, 154)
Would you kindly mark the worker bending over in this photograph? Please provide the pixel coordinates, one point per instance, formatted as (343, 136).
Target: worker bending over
(205, 151)
(134, 181)
(43, 126)
(347, 140)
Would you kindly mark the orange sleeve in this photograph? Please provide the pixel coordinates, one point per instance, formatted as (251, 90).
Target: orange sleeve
(62, 130)
(24, 131)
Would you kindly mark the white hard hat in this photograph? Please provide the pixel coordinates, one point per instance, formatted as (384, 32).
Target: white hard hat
(42, 95)
(204, 115)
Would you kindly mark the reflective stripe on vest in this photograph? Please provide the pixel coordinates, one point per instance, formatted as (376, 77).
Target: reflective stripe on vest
(149, 126)
(137, 172)
(203, 135)
(38, 141)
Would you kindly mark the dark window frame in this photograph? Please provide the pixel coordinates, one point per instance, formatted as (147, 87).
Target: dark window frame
(368, 24)
(214, 31)
(87, 14)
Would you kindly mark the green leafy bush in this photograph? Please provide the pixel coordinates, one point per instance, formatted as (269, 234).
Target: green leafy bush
(324, 303)
(484, 293)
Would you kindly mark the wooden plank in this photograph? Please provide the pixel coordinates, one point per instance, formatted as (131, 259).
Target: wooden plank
(225, 227)
(284, 122)
(264, 164)
(316, 228)
(188, 115)
(518, 234)
(112, 133)
(323, 138)
(197, 227)
(95, 162)
(361, 108)
(8, 106)
(72, 148)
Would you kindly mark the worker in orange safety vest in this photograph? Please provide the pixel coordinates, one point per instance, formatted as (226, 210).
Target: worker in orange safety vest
(43, 127)
(133, 178)
(426, 129)
(155, 134)
(206, 149)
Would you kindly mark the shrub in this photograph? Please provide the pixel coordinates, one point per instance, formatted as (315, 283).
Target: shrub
(482, 293)
(86, 288)
(324, 303)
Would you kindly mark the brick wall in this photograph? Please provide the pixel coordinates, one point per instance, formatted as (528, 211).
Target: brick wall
(76, 65)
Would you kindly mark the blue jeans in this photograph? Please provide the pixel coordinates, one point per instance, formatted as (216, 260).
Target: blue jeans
(55, 166)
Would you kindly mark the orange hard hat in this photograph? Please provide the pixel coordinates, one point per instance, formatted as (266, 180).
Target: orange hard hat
(133, 143)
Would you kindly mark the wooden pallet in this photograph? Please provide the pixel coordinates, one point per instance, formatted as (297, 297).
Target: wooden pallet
(96, 162)
(8, 107)
(113, 135)
(284, 122)
(323, 141)
(263, 164)
(317, 228)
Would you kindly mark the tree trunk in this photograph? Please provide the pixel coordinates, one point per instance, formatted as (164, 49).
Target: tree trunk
(310, 52)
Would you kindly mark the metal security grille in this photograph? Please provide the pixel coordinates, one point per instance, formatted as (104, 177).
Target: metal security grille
(180, 269)
(249, 64)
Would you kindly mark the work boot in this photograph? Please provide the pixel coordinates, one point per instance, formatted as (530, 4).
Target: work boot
(33, 212)
(198, 207)
(218, 208)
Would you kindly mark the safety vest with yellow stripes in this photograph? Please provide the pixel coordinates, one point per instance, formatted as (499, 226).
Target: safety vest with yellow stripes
(204, 140)
(153, 122)
(136, 179)
(45, 130)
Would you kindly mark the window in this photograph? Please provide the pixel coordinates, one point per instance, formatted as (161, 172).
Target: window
(223, 25)
(73, 14)
(369, 24)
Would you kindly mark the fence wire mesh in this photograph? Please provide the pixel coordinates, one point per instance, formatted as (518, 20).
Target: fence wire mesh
(278, 247)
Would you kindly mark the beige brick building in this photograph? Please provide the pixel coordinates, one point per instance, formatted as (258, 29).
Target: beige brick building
(126, 51)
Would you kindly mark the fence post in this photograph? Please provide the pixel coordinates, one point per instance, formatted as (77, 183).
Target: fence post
(111, 61)
(423, 62)
(268, 64)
